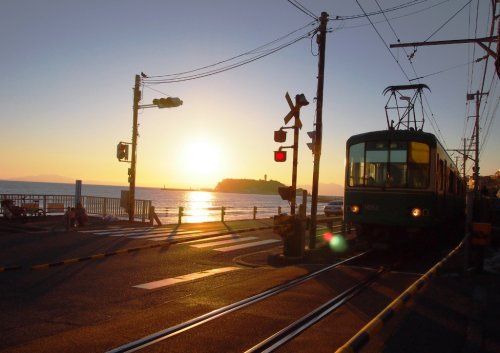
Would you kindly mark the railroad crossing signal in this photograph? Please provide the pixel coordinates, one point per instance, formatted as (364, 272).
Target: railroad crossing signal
(279, 156)
(301, 101)
(312, 144)
(280, 136)
(122, 152)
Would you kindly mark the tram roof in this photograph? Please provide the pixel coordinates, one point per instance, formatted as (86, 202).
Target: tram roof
(402, 135)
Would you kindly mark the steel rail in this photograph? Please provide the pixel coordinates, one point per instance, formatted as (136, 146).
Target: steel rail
(187, 325)
(296, 328)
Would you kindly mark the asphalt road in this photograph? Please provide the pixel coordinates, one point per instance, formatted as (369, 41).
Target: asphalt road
(97, 305)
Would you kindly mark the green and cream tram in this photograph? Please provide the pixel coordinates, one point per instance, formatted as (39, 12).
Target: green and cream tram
(400, 183)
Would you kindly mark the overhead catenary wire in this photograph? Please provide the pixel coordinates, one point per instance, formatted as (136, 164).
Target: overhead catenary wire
(382, 39)
(398, 17)
(434, 125)
(447, 21)
(374, 13)
(447, 69)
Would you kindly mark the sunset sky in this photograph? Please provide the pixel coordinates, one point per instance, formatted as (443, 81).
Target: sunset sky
(68, 69)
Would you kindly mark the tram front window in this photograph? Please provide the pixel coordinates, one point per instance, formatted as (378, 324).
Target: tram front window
(418, 165)
(377, 157)
(395, 164)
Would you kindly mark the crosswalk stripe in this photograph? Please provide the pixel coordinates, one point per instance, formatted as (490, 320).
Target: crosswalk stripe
(247, 245)
(163, 234)
(133, 232)
(209, 239)
(182, 236)
(221, 242)
(185, 278)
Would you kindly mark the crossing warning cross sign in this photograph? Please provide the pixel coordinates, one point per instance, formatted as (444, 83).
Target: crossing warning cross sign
(295, 109)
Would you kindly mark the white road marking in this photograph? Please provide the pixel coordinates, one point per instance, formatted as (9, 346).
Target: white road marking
(247, 245)
(185, 278)
(135, 232)
(221, 242)
(209, 239)
(183, 236)
(164, 234)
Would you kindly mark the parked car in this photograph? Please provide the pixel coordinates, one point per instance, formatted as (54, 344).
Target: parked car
(334, 208)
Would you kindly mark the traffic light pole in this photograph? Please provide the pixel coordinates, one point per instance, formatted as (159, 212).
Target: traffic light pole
(319, 127)
(137, 98)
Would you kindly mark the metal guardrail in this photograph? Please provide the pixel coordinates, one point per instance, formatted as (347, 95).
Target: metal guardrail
(94, 205)
(222, 213)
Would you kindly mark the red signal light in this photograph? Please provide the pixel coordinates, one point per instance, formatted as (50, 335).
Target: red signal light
(279, 156)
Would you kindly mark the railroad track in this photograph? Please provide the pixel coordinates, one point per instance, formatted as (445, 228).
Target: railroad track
(197, 321)
(286, 334)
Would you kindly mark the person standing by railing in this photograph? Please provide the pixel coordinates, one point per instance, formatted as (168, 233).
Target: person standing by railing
(81, 215)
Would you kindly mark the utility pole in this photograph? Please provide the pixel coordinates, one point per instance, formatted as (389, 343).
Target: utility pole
(321, 40)
(477, 96)
(465, 156)
(132, 169)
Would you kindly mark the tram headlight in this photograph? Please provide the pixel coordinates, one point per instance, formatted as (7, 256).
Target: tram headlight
(416, 212)
(355, 209)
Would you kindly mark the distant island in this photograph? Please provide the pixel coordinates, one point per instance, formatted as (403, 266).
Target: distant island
(249, 186)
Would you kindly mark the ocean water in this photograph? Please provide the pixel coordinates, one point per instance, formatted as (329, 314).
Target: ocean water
(199, 206)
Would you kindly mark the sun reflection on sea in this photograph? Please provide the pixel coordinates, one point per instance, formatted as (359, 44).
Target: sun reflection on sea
(200, 204)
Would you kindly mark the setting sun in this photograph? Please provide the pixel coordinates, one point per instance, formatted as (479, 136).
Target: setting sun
(200, 157)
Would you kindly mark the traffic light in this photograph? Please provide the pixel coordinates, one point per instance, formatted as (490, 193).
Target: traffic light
(285, 192)
(280, 136)
(129, 175)
(279, 156)
(122, 151)
(169, 102)
(312, 135)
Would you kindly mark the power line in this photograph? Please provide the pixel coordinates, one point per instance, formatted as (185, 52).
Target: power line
(229, 67)
(252, 51)
(302, 8)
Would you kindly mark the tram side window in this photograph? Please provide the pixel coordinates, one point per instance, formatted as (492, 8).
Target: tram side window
(377, 158)
(418, 165)
(356, 164)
